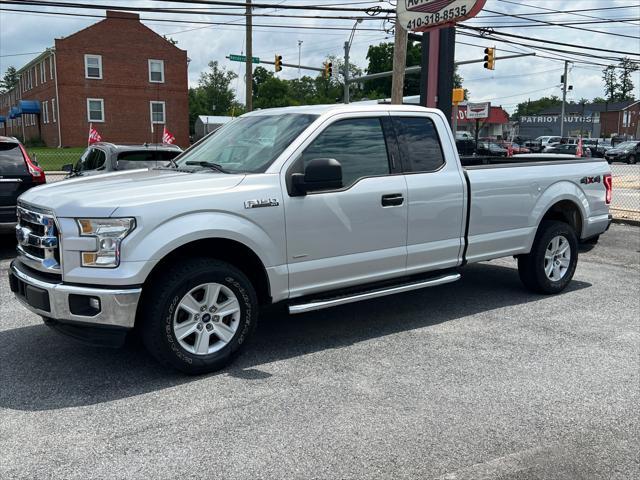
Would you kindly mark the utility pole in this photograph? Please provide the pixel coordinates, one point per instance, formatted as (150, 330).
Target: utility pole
(299, 55)
(399, 64)
(249, 74)
(347, 47)
(565, 82)
(346, 72)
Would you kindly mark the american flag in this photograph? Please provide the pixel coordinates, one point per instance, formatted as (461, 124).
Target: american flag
(94, 136)
(167, 137)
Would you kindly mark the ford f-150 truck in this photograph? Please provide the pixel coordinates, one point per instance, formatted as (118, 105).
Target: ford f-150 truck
(314, 206)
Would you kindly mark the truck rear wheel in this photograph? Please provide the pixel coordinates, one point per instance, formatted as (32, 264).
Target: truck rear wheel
(198, 315)
(550, 265)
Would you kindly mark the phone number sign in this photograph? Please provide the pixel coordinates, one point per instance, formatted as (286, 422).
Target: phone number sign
(421, 15)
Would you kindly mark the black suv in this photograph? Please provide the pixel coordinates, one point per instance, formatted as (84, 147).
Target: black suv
(103, 157)
(18, 173)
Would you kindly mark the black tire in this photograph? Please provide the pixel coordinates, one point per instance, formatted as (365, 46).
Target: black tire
(531, 267)
(632, 159)
(161, 298)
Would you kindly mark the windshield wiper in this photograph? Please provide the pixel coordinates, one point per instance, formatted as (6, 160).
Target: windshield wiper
(213, 166)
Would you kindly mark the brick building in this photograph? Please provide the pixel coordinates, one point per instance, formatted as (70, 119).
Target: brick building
(119, 75)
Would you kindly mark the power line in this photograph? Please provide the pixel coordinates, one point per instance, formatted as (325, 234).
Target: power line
(89, 6)
(577, 13)
(542, 40)
(185, 21)
(565, 26)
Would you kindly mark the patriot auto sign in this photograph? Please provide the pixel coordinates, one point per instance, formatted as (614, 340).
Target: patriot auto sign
(421, 15)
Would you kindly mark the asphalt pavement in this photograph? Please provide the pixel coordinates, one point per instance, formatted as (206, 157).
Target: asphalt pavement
(478, 379)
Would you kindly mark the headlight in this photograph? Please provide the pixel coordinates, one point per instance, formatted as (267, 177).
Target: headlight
(109, 233)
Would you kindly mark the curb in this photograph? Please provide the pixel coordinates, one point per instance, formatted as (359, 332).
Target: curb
(625, 221)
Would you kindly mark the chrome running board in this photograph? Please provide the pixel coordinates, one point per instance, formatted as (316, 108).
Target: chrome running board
(367, 295)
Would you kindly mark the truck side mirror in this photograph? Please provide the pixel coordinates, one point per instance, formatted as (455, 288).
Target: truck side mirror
(320, 174)
(67, 168)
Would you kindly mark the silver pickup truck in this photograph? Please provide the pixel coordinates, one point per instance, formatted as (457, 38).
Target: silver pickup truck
(313, 206)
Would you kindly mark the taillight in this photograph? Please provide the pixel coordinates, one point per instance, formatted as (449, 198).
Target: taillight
(608, 185)
(37, 173)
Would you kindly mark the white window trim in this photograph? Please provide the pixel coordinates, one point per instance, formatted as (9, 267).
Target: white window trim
(53, 109)
(164, 113)
(161, 71)
(43, 72)
(101, 100)
(86, 66)
(50, 67)
(35, 73)
(46, 111)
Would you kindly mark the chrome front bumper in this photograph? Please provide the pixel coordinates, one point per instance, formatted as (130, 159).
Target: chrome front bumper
(117, 307)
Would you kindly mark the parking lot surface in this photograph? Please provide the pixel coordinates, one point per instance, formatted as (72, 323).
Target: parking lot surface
(479, 379)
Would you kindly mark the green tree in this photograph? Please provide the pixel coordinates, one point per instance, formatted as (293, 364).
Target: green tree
(213, 95)
(381, 60)
(536, 106)
(611, 85)
(9, 80)
(627, 69)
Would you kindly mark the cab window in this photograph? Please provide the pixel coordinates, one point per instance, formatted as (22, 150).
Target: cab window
(358, 144)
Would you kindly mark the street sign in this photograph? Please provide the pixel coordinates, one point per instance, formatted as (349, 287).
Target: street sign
(422, 15)
(478, 110)
(243, 58)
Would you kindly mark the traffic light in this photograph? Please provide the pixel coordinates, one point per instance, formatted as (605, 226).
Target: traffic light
(490, 58)
(328, 69)
(278, 63)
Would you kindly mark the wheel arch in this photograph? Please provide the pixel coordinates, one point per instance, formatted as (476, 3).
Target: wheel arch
(235, 253)
(565, 202)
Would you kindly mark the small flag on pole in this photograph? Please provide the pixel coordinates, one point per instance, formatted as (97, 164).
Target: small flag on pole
(579, 151)
(94, 136)
(167, 137)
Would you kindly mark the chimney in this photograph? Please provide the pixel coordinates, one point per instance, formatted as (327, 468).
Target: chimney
(122, 15)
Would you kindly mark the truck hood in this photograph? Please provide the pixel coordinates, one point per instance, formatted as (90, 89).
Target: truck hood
(101, 195)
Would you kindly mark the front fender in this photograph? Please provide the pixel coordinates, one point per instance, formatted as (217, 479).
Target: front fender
(178, 231)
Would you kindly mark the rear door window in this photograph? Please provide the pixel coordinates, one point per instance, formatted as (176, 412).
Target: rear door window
(92, 159)
(419, 144)
(11, 159)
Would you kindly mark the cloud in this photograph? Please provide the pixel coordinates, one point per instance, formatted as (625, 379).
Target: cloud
(513, 81)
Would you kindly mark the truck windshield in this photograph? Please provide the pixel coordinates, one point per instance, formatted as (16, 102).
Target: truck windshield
(248, 144)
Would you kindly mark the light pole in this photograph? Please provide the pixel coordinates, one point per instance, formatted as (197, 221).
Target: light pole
(299, 54)
(347, 47)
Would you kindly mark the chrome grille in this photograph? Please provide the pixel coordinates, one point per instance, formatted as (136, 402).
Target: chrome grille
(38, 238)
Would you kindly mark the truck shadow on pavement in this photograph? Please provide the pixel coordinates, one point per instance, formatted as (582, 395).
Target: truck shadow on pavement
(42, 370)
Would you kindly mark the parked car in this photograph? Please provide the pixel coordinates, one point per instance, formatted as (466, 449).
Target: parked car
(624, 152)
(517, 149)
(569, 149)
(534, 146)
(18, 173)
(597, 146)
(103, 157)
(465, 147)
(491, 149)
(547, 140)
(315, 207)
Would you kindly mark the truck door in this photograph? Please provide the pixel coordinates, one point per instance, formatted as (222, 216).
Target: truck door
(354, 234)
(436, 193)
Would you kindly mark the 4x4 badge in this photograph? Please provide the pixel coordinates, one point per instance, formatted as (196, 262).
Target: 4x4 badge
(261, 203)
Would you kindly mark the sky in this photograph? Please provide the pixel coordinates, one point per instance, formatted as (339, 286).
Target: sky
(24, 35)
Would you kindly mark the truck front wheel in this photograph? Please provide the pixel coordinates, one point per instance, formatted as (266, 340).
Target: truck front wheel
(198, 314)
(550, 265)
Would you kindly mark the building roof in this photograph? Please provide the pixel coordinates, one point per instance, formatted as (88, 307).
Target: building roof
(588, 108)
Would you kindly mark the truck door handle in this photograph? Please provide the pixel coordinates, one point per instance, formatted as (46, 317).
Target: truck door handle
(392, 200)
